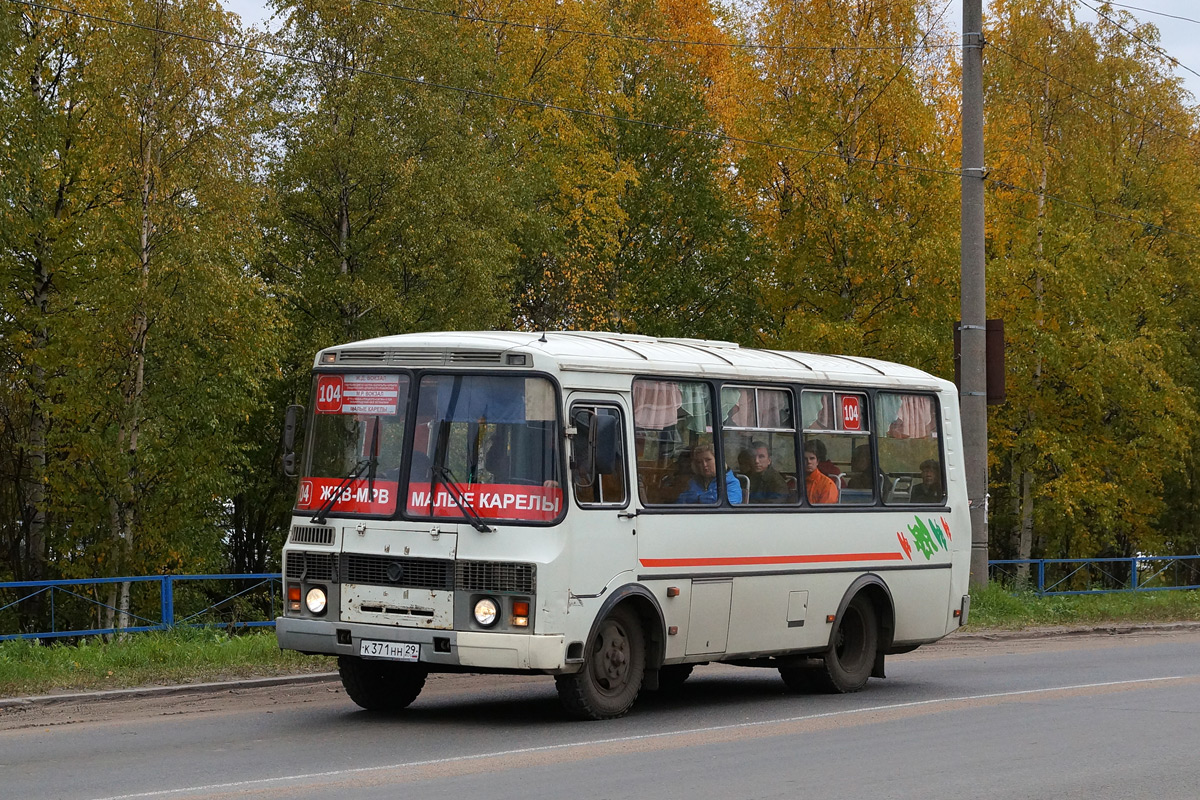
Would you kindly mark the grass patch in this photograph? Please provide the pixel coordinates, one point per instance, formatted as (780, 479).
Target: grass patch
(198, 655)
(184, 655)
(999, 608)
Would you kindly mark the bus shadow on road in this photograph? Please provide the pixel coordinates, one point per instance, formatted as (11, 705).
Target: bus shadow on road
(535, 703)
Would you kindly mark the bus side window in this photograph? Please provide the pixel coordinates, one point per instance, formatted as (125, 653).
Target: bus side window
(839, 435)
(909, 449)
(760, 442)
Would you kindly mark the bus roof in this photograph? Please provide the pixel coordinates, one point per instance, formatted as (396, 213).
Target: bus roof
(590, 351)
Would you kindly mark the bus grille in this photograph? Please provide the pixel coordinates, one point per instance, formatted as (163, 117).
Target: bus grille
(310, 566)
(312, 534)
(416, 573)
(494, 576)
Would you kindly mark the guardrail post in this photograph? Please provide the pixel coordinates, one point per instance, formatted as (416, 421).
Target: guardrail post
(1041, 590)
(1133, 569)
(168, 601)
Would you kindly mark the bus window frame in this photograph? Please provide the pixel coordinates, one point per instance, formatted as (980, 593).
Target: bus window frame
(941, 449)
(309, 427)
(415, 375)
(714, 399)
(797, 450)
(584, 402)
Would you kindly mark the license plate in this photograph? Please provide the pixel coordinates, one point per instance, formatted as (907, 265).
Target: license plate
(395, 651)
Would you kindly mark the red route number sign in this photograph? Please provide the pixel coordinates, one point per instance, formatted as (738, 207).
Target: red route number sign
(358, 394)
(329, 394)
(851, 413)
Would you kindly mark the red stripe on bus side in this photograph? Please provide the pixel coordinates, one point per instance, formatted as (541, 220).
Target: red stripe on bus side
(743, 561)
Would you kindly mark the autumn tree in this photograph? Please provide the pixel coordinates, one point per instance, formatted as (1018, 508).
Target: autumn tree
(148, 335)
(857, 195)
(1093, 166)
(687, 263)
(53, 188)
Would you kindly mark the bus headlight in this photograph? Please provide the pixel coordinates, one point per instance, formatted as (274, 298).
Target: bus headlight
(486, 612)
(315, 600)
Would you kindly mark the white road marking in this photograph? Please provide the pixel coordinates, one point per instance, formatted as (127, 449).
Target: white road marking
(283, 779)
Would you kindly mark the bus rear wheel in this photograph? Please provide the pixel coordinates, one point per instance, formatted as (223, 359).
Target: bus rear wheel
(381, 685)
(612, 673)
(850, 658)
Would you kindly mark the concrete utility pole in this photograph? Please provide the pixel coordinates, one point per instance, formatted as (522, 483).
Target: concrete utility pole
(973, 303)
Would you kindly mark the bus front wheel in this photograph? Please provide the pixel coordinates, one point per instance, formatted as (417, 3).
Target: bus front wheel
(612, 672)
(850, 657)
(381, 685)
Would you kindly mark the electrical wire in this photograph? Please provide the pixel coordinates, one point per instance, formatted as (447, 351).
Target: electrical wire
(1139, 222)
(1154, 47)
(539, 104)
(645, 39)
(592, 114)
(992, 45)
(903, 66)
(1152, 11)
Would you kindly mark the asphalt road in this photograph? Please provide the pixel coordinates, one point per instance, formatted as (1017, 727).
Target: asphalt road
(1061, 717)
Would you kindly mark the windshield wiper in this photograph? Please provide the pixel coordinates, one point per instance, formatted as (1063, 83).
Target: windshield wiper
(463, 504)
(319, 517)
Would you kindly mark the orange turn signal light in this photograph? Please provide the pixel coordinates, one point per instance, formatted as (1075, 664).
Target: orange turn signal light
(520, 608)
(294, 593)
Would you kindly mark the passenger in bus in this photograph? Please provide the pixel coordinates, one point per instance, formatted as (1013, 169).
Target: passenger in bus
(819, 487)
(929, 490)
(823, 463)
(496, 461)
(861, 474)
(766, 484)
(498, 464)
(703, 486)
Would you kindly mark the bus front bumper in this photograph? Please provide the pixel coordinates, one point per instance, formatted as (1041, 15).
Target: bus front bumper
(452, 649)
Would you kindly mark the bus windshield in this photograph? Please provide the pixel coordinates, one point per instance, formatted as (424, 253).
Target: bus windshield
(356, 429)
(495, 438)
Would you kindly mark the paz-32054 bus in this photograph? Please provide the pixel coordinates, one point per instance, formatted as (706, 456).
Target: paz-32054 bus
(614, 509)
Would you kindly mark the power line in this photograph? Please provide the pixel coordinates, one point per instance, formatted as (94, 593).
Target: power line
(1083, 91)
(1152, 11)
(1142, 223)
(592, 114)
(539, 104)
(903, 65)
(1154, 47)
(644, 39)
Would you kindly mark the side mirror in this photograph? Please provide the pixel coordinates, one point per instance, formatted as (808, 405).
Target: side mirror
(291, 422)
(603, 440)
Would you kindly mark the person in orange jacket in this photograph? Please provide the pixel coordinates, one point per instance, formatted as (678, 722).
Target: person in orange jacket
(819, 487)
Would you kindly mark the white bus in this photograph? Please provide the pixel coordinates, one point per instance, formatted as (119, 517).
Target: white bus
(552, 503)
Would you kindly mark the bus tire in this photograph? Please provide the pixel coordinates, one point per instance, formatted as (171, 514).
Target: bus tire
(851, 654)
(381, 685)
(612, 673)
(672, 676)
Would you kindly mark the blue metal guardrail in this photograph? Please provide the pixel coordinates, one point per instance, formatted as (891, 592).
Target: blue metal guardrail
(260, 583)
(1062, 576)
(1045, 576)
